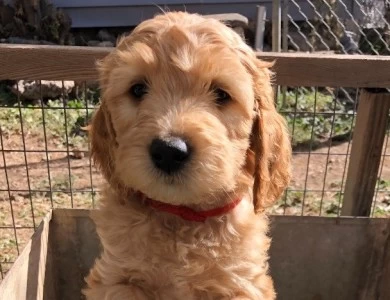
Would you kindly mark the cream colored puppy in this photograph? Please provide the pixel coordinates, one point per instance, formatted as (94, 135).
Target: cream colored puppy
(193, 150)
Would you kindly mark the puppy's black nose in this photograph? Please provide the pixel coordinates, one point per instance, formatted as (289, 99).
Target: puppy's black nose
(169, 154)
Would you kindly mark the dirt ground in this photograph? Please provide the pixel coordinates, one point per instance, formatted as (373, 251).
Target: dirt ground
(315, 189)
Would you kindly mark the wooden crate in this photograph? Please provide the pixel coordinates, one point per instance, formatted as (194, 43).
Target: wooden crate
(311, 258)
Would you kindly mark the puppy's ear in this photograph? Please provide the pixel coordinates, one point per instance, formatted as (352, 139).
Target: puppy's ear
(103, 143)
(101, 131)
(269, 142)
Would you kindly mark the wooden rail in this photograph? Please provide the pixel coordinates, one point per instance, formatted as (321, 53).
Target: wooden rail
(292, 69)
(369, 135)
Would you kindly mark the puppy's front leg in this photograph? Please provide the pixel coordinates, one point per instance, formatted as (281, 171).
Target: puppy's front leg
(117, 292)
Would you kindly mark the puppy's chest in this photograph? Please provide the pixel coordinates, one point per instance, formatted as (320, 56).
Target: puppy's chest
(181, 260)
(174, 254)
(181, 247)
(177, 259)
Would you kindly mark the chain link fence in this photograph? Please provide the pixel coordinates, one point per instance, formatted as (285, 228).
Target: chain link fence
(337, 26)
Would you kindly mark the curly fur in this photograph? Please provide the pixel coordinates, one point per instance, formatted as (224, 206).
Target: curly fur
(241, 149)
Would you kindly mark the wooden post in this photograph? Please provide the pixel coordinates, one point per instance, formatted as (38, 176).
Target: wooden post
(260, 28)
(283, 89)
(285, 26)
(276, 25)
(276, 37)
(367, 144)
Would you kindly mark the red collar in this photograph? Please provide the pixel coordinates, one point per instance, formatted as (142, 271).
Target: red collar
(189, 214)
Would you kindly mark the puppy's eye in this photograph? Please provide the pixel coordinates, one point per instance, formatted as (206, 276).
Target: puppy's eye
(138, 90)
(222, 97)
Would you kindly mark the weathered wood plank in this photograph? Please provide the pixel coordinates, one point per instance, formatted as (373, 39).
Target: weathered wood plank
(37, 260)
(14, 285)
(301, 69)
(292, 69)
(49, 62)
(385, 275)
(71, 230)
(26, 278)
(260, 27)
(328, 258)
(310, 269)
(368, 138)
(276, 26)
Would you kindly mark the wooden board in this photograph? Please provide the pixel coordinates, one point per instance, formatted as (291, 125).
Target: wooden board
(368, 139)
(315, 258)
(323, 258)
(26, 278)
(74, 245)
(303, 69)
(292, 69)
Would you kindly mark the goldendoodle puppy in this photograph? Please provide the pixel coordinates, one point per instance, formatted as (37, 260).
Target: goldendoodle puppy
(193, 150)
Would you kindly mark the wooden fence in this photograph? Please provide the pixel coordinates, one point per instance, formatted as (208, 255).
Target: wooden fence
(371, 73)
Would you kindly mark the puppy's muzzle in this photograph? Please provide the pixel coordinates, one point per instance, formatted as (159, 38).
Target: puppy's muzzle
(169, 154)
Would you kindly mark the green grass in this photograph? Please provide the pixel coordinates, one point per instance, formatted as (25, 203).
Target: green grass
(7, 247)
(310, 117)
(62, 123)
(292, 201)
(329, 204)
(383, 184)
(382, 205)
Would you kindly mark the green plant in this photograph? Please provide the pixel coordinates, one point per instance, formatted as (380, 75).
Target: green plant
(382, 184)
(56, 121)
(314, 116)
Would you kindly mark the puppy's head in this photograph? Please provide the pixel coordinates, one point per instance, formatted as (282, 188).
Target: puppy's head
(187, 115)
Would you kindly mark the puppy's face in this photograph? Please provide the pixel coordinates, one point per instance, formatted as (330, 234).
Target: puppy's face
(178, 109)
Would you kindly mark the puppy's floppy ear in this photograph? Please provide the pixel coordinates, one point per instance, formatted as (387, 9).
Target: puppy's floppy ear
(101, 133)
(102, 136)
(269, 142)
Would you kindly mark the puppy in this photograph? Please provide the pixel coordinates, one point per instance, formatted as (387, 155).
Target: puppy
(193, 150)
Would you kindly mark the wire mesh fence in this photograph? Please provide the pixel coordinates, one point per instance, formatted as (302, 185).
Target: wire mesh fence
(45, 160)
(358, 27)
(321, 123)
